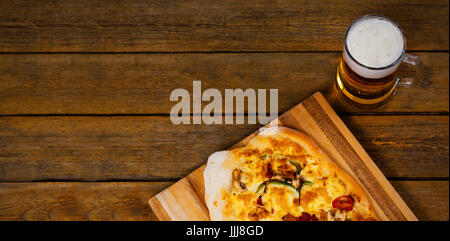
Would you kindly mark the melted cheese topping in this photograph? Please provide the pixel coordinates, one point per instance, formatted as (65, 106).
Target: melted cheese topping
(275, 200)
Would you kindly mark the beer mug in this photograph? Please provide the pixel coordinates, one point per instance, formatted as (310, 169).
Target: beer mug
(374, 48)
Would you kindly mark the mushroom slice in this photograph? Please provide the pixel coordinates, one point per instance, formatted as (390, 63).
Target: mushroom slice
(337, 215)
(237, 182)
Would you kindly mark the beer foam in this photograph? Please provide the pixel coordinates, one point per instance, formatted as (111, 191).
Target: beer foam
(375, 42)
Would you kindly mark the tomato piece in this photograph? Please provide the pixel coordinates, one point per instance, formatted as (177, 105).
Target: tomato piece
(259, 201)
(303, 217)
(344, 203)
(269, 171)
(289, 217)
(307, 217)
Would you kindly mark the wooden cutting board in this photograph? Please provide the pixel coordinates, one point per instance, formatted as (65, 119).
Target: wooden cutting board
(184, 200)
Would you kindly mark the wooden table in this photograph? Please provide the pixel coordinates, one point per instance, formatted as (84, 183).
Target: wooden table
(85, 132)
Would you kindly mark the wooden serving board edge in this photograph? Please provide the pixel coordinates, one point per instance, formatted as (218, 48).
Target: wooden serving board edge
(358, 163)
(334, 137)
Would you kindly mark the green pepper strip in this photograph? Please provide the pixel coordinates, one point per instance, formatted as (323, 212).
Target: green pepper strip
(260, 187)
(263, 185)
(299, 189)
(282, 183)
(297, 166)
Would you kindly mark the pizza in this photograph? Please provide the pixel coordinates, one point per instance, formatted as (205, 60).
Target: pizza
(281, 174)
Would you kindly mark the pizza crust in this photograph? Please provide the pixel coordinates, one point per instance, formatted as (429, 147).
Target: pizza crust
(220, 166)
(217, 178)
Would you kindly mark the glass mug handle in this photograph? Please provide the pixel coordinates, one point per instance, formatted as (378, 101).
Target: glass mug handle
(418, 66)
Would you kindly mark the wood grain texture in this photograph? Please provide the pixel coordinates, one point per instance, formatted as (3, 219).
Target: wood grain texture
(134, 148)
(105, 148)
(316, 118)
(77, 200)
(404, 144)
(127, 201)
(420, 196)
(152, 148)
(141, 83)
(170, 26)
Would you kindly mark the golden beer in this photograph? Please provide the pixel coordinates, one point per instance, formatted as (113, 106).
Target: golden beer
(373, 51)
(365, 92)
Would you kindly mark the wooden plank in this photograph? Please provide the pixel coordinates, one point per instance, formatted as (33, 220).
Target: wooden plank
(141, 84)
(106, 148)
(136, 147)
(127, 200)
(419, 195)
(315, 117)
(400, 145)
(77, 200)
(139, 25)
